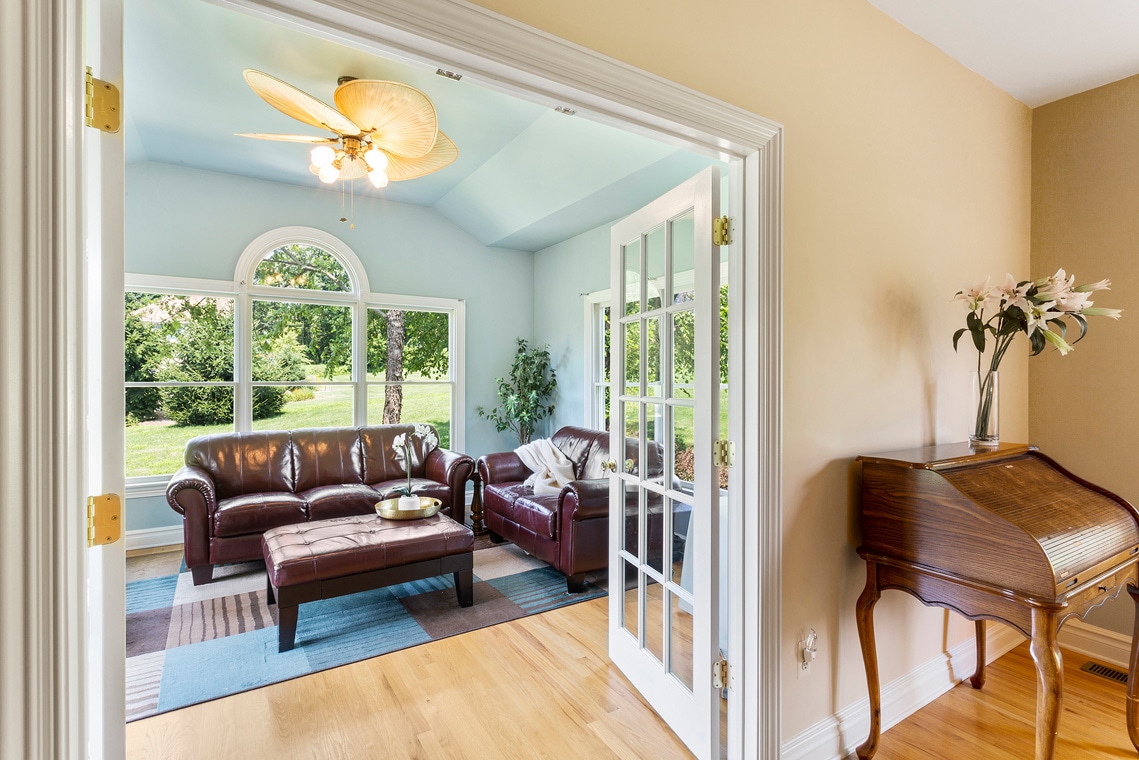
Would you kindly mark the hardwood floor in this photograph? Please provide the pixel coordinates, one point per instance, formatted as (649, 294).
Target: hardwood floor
(998, 721)
(537, 687)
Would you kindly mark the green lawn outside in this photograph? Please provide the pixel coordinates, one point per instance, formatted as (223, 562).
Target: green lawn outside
(156, 448)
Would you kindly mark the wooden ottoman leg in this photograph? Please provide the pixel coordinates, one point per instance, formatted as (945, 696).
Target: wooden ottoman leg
(286, 626)
(464, 587)
(864, 613)
(270, 597)
(978, 678)
(1133, 677)
(1045, 649)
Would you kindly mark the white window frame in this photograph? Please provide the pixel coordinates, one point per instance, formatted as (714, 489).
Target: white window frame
(359, 297)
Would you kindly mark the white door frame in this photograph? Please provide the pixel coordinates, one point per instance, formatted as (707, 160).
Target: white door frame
(42, 465)
(505, 55)
(42, 378)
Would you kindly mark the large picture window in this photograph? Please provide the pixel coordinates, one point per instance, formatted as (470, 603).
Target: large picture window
(296, 341)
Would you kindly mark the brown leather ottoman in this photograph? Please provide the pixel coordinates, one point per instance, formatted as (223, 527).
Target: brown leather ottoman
(329, 558)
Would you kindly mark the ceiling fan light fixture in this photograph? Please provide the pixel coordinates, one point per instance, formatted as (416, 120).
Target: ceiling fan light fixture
(376, 159)
(378, 178)
(323, 156)
(328, 174)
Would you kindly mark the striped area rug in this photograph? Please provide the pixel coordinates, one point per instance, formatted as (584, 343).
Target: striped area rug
(188, 644)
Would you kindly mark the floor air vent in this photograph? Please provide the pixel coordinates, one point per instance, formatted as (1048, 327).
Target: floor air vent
(1104, 671)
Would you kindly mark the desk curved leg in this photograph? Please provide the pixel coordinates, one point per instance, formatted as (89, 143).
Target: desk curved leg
(1133, 676)
(977, 680)
(1045, 651)
(865, 615)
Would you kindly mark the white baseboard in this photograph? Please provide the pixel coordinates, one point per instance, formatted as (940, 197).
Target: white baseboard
(152, 537)
(1100, 644)
(837, 736)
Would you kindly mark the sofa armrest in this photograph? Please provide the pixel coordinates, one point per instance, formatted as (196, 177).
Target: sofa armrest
(502, 468)
(454, 470)
(585, 500)
(448, 467)
(192, 494)
(197, 480)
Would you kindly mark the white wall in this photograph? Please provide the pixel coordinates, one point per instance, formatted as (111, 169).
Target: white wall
(193, 223)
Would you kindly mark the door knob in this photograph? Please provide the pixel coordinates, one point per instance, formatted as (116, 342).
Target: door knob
(609, 466)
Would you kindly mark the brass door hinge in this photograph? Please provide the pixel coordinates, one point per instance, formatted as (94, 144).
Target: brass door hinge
(720, 674)
(104, 109)
(104, 519)
(721, 231)
(724, 454)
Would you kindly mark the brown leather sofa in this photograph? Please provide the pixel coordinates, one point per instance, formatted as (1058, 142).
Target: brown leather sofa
(570, 529)
(236, 486)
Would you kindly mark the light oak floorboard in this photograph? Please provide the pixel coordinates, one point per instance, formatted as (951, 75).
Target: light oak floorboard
(998, 722)
(537, 687)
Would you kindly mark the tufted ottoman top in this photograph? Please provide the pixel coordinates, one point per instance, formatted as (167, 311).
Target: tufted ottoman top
(326, 549)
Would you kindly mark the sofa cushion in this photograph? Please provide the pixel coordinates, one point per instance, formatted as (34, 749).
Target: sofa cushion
(500, 497)
(381, 460)
(538, 513)
(245, 463)
(327, 457)
(389, 489)
(343, 500)
(258, 512)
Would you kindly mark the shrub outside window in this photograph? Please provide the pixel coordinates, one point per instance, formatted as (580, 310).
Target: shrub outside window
(280, 353)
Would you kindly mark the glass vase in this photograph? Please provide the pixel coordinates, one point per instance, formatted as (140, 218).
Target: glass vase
(984, 407)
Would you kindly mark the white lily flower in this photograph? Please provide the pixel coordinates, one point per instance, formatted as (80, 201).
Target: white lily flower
(1071, 301)
(1012, 294)
(1038, 316)
(1092, 286)
(975, 297)
(1052, 288)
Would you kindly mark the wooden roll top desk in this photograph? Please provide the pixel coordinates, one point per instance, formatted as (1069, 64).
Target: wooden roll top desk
(1001, 534)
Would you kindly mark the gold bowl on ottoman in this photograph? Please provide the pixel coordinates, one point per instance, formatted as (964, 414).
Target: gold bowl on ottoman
(389, 509)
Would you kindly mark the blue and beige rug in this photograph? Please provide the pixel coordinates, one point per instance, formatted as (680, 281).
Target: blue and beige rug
(188, 644)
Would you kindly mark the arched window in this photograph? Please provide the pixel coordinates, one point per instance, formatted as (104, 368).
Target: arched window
(296, 340)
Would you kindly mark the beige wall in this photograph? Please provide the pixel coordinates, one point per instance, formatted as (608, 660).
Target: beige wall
(1085, 218)
(906, 177)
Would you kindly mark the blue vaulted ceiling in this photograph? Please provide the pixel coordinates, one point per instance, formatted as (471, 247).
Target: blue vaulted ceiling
(526, 177)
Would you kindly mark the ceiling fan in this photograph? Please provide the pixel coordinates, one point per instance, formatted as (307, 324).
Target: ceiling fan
(383, 130)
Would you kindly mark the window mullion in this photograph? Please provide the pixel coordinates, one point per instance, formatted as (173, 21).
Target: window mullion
(243, 363)
(360, 363)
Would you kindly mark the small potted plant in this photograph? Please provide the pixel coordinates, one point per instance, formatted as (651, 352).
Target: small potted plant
(424, 434)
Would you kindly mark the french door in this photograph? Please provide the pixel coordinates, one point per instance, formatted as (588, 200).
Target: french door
(664, 495)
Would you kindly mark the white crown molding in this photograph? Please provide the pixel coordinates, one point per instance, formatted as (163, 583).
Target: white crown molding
(505, 55)
(835, 737)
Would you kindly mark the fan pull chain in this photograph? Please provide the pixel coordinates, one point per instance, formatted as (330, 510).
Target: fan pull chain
(352, 214)
(342, 217)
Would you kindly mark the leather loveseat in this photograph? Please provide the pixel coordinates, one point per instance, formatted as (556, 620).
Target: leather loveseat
(570, 529)
(236, 486)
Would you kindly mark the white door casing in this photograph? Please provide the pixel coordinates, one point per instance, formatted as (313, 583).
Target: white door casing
(666, 652)
(44, 467)
(103, 226)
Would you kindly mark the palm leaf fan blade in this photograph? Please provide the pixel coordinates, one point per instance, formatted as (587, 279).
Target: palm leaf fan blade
(401, 119)
(298, 104)
(314, 139)
(443, 153)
